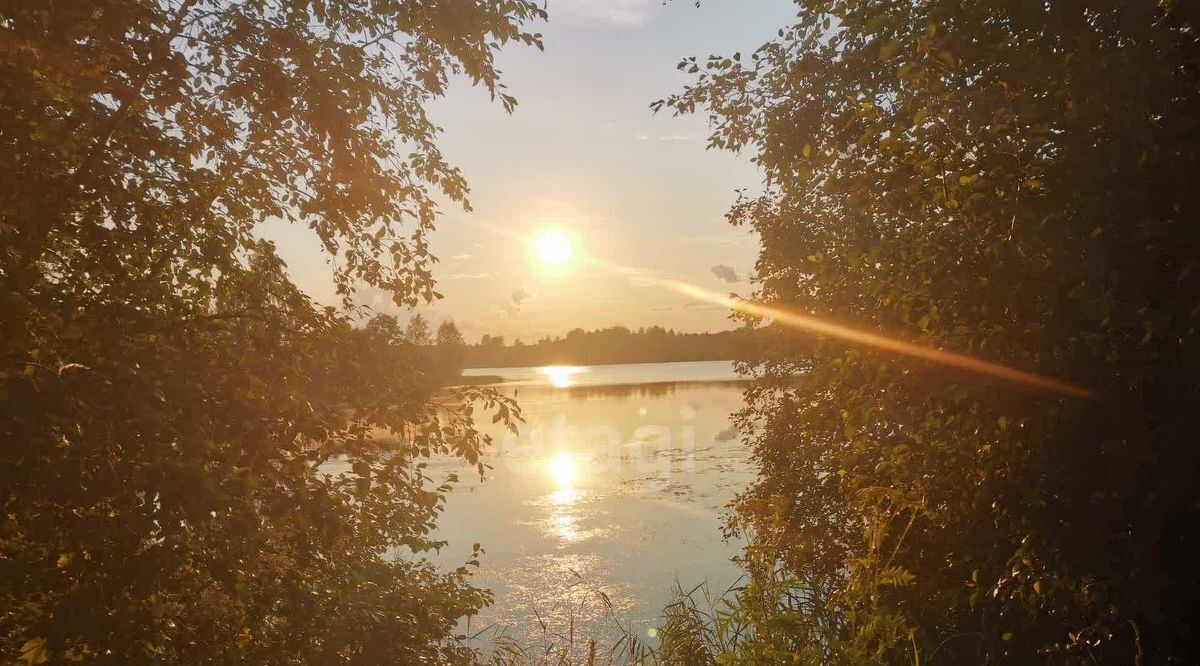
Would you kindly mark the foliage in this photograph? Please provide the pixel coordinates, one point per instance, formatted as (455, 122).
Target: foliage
(200, 464)
(450, 347)
(1004, 179)
(448, 335)
(417, 331)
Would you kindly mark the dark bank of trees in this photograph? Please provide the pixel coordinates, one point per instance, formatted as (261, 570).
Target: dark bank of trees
(1011, 180)
(169, 400)
(435, 360)
(616, 344)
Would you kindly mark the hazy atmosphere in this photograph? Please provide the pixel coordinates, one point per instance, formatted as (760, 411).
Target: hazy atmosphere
(584, 154)
(599, 332)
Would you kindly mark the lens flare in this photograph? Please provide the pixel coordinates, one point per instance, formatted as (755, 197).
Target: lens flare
(820, 326)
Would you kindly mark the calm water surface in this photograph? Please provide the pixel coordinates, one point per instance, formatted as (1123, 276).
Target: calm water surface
(612, 492)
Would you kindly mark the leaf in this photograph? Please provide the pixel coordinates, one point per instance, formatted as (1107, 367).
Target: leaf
(889, 49)
(34, 652)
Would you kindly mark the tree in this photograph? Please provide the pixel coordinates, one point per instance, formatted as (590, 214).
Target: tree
(1008, 180)
(190, 470)
(450, 349)
(448, 335)
(417, 331)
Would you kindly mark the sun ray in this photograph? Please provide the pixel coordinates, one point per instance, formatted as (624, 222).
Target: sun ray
(816, 325)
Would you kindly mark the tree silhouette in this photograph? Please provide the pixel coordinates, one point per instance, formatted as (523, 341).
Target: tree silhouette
(191, 471)
(1008, 180)
(417, 331)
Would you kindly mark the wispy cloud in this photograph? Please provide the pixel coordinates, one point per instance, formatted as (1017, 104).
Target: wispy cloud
(666, 137)
(623, 13)
(464, 276)
(723, 239)
(725, 273)
(521, 295)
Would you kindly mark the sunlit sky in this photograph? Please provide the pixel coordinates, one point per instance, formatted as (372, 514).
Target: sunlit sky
(584, 156)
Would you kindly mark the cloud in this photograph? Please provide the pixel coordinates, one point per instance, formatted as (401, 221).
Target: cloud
(666, 137)
(725, 273)
(521, 295)
(621, 13)
(464, 276)
(723, 239)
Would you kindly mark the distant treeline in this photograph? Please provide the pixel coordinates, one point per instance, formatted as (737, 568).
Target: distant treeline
(617, 344)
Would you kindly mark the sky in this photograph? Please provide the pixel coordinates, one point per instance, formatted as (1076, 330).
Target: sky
(585, 156)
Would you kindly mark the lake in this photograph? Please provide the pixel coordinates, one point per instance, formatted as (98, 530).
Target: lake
(612, 492)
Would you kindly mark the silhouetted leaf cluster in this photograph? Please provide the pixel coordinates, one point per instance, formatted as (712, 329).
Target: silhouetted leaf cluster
(199, 465)
(1011, 180)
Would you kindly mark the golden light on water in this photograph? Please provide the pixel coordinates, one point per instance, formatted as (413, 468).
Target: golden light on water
(563, 521)
(562, 470)
(564, 496)
(560, 375)
(553, 248)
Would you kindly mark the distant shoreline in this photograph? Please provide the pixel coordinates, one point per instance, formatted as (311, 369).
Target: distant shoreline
(612, 346)
(602, 375)
(477, 380)
(577, 364)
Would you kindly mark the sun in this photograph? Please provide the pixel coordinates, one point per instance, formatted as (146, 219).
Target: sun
(553, 248)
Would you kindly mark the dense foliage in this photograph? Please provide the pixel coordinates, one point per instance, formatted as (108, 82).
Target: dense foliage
(1011, 180)
(616, 344)
(200, 465)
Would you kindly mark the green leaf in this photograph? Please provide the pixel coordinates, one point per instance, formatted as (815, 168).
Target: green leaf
(34, 652)
(889, 49)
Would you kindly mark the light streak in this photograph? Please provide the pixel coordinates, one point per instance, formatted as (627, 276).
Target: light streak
(813, 324)
(818, 326)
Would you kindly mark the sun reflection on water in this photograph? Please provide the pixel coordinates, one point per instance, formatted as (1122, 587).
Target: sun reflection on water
(560, 375)
(564, 497)
(563, 521)
(562, 470)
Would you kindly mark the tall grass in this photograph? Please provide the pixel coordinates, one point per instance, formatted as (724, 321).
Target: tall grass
(764, 618)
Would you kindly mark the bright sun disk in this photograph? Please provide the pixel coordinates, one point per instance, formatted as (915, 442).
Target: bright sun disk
(553, 248)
